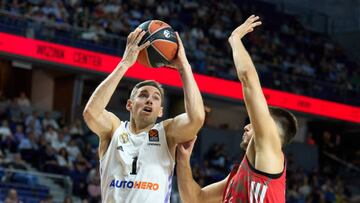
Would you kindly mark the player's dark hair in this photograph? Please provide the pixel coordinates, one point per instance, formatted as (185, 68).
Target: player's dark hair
(287, 122)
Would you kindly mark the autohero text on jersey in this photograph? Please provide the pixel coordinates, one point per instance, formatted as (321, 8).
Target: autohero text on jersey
(134, 185)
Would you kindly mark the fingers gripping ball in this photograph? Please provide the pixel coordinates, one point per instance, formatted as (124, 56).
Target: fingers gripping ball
(163, 44)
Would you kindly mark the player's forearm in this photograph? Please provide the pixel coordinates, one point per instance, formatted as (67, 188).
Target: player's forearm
(190, 191)
(102, 94)
(242, 59)
(194, 105)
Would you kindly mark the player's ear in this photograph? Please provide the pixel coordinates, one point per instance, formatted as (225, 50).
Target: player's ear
(160, 114)
(129, 105)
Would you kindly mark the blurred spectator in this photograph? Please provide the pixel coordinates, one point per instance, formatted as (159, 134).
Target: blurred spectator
(94, 172)
(8, 141)
(76, 128)
(17, 163)
(23, 101)
(305, 188)
(12, 197)
(94, 190)
(28, 143)
(49, 121)
(4, 130)
(19, 134)
(59, 143)
(51, 135)
(73, 150)
(64, 162)
(28, 149)
(49, 162)
(32, 123)
(66, 132)
(79, 175)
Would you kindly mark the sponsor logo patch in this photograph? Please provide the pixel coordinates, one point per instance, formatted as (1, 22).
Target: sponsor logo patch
(124, 137)
(153, 135)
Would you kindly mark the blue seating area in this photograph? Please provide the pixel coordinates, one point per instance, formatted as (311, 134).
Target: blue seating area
(26, 185)
(2, 173)
(26, 179)
(27, 194)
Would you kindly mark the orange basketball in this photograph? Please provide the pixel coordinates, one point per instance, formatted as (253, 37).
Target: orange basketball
(163, 47)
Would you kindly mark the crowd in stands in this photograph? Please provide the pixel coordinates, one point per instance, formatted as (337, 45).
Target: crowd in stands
(288, 56)
(44, 143)
(335, 178)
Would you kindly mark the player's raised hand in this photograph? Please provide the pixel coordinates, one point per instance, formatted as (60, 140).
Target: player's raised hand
(132, 46)
(248, 26)
(180, 60)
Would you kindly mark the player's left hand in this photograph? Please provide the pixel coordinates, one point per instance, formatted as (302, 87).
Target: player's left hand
(248, 26)
(133, 49)
(184, 150)
(180, 60)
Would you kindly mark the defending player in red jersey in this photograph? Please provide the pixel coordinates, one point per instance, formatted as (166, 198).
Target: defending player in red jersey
(261, 176)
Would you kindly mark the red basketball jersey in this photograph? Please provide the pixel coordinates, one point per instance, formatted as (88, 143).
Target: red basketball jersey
(248, 185)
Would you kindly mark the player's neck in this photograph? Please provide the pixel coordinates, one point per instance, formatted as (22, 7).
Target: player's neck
(138, 127)
(250, 152)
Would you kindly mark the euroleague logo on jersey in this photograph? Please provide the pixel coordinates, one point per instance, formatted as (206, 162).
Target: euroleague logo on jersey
(154, 135)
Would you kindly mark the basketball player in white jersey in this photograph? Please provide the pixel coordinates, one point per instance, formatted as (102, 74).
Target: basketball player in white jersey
(137, 156)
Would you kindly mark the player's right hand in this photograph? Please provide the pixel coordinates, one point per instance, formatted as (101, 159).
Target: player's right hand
(243, 29)
(184, 150)
(180, 60)
(132, 46)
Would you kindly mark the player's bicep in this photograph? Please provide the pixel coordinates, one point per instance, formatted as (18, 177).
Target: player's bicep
(181, 129)
(214, 193)
(103, 125)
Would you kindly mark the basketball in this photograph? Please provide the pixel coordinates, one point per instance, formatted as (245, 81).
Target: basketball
(163, 47)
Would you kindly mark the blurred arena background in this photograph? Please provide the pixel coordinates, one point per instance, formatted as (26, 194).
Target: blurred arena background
(53, 54)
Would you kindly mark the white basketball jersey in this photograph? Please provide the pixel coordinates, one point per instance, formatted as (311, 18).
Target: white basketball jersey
(137, 167)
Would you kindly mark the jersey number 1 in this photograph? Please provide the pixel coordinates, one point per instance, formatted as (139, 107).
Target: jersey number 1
(134, 163)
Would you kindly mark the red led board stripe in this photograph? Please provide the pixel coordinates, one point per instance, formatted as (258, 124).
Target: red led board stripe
(88, 60)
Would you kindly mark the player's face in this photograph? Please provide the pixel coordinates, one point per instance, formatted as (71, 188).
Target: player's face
(146, 104)
(248, 133)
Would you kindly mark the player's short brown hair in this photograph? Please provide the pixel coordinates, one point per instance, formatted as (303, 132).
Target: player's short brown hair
(148, 83)
(287, 122)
